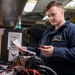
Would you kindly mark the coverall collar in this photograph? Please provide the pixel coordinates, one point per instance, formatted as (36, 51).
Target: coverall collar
(52, 31)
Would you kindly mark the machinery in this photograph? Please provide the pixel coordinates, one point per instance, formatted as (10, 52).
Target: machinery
(26, 65)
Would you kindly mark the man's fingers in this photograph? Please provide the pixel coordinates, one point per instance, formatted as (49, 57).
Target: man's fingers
(47, 46)
(43, 49)
(22, 48)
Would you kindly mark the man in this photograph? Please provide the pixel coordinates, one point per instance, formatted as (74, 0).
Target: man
(58, 51)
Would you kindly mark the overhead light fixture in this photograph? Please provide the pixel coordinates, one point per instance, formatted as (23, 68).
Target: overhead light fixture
(30, 5)
(45, 18)
(70, 5)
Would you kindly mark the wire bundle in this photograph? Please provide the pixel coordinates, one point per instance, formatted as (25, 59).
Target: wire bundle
(30, 72)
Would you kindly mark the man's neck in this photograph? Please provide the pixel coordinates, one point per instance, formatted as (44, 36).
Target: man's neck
(59, 25)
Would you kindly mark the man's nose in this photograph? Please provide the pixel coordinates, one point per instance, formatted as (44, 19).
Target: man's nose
(50, 17)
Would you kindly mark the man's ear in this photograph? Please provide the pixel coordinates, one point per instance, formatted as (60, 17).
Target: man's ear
(62, 12)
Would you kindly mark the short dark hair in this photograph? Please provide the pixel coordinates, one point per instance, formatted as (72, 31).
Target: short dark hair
(52, 4)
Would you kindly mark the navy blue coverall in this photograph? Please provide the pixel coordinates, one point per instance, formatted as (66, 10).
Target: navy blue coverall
(63, 41)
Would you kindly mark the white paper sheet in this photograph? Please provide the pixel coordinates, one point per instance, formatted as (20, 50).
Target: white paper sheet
(17, 43)
(12, 54)
(11, 37)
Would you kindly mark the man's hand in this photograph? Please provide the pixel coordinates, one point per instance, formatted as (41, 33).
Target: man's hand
(22, 49)
(47, 50)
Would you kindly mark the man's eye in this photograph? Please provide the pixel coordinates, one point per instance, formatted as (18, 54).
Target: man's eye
(52, 14)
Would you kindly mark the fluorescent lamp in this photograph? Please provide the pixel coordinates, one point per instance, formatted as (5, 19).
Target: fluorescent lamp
(70, 5)
(30, 5)
(45, 18)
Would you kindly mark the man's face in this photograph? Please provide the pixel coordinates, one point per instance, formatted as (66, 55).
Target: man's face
(55, 15)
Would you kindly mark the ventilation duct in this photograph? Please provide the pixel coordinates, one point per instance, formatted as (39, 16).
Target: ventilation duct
(10, 10)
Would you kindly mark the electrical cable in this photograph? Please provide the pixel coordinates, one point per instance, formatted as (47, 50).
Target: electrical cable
(25, 71)
(49, 70)
(8, 69)
(29, 71)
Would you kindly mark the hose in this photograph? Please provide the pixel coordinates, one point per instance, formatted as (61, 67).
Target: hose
(47, 70)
